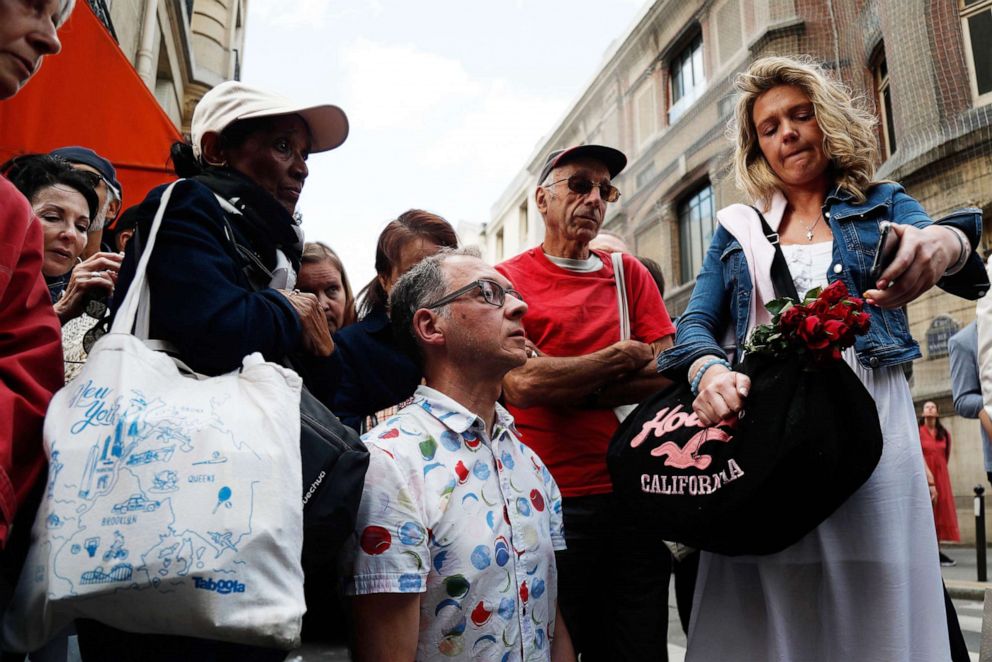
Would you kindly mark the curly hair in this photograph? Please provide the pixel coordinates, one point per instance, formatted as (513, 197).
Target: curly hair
(848, 129)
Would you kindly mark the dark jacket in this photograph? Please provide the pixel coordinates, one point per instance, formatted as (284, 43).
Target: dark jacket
(373, 373)
(201, 301)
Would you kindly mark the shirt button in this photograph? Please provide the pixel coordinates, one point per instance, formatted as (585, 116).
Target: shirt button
(981, 293)
(838, 268)
(873, 362)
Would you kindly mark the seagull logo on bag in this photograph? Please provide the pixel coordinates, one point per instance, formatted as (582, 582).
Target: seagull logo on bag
(687, 456)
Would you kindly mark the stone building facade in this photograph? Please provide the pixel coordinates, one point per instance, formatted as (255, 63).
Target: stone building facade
(180, 48)
(664, 96)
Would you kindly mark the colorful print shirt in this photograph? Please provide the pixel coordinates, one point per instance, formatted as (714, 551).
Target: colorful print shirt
(470, 522)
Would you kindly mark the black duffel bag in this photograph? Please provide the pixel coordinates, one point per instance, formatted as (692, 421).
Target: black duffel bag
(334, 464)
(808, 438)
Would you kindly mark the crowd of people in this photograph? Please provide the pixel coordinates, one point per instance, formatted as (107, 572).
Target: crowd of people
(487, 394)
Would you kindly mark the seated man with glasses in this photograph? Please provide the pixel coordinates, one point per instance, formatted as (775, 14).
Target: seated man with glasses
(614, 583)
(454, 553)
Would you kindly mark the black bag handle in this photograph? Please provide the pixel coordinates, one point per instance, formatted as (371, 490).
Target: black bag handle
(781, 276)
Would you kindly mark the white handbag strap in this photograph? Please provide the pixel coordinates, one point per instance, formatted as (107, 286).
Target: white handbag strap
(619, 278)
(138, 293)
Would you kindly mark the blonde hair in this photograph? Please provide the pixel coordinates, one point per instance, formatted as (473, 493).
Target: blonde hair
(315, 252)
(848, 129)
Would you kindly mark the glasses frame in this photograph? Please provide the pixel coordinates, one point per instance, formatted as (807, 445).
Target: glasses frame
(606, 191)
(498, 290)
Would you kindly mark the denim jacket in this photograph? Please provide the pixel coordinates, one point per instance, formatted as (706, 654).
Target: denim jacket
(722, 296)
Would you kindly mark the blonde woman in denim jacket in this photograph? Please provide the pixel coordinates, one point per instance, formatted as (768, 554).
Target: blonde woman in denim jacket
(864, 585)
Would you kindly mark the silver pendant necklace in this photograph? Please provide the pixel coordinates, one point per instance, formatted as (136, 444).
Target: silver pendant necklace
(810, 228)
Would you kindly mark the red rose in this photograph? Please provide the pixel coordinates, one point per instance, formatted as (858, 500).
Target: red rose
(820, 307)
(792, 318)
(809, 328)
(812, 334)
(834, 329)
(856, 302)
(840, 311)
(834, 292)
(861, 322)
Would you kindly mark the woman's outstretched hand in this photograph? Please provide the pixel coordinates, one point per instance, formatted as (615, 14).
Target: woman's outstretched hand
(721, 395)
(920, 261)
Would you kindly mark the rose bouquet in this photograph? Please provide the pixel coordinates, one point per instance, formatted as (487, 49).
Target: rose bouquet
(821, 327)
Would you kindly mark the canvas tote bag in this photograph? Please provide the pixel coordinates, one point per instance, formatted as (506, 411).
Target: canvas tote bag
(174, 501)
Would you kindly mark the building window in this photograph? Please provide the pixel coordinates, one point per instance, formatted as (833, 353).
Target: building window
(696, 225)
(977, 21)
(688, 80)
(883, 101)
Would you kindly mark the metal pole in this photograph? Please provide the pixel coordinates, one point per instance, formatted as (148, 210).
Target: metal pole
(980, 532)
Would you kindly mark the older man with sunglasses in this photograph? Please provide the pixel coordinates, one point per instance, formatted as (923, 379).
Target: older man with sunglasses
(454, 556)
(613, 589)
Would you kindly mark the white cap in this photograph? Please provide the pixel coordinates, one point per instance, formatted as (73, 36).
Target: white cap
(233, 100)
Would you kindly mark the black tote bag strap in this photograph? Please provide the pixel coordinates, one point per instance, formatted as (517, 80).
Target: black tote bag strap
(781, 276)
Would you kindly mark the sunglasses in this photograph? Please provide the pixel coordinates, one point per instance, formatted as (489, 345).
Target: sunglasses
(583, 186)
(492, 293)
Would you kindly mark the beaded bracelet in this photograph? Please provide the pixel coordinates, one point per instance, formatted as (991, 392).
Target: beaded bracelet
(694, 386)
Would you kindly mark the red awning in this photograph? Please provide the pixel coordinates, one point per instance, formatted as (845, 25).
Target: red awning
(90, 95)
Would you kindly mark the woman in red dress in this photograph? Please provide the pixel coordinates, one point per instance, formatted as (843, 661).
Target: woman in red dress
(936, 441)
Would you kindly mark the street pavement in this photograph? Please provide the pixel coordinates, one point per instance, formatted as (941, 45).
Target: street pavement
(966, 593)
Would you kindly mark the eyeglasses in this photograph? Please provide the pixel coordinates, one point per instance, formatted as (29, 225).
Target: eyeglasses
(583, 186)
(492, 293)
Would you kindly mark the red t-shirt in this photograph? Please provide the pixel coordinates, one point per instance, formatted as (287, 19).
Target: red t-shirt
(573, 314)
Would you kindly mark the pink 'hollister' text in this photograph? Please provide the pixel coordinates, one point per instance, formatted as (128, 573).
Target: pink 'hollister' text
(665, 421)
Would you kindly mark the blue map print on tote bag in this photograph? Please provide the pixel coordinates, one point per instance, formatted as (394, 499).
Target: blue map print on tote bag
(143, 472)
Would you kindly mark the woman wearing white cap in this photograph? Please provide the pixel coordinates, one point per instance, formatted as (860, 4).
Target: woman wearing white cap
(216, 300)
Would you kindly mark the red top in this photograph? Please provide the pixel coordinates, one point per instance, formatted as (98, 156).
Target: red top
(573, 314)
(936, 453)
(30, 353)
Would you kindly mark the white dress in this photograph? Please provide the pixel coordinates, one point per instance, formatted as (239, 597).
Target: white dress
(865, 585)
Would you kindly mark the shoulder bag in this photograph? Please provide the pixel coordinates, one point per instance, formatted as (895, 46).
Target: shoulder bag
(172, 503)
(334, 462)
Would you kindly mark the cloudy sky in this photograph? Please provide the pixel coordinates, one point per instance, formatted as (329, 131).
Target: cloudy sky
(446, 98)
